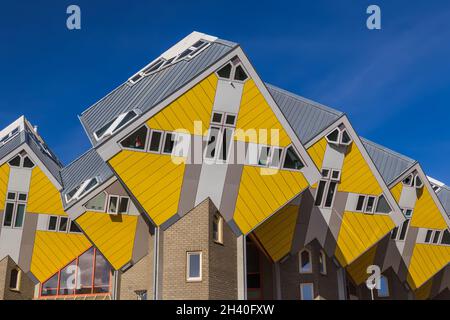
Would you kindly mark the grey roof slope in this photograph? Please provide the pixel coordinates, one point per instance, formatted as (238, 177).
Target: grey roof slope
(152, 89)
(26, 136)
(389, 163)
(444, 197)
(306, 117)
(88, 165)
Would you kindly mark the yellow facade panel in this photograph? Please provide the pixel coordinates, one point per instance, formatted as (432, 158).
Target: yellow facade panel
(43, 196)
(317, 152)
(358, 269)
(256, 114)
(54, 250)
(113, 235)
(276, 234)
(357, 177)
(256, 200)
(426, 212)
(397, 191)
(358, 233)
(154, 179)
(4, 177)
(194, 105)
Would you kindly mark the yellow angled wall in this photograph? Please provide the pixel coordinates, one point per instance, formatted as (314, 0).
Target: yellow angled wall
(358, 269)
(357, 177)
(153, 179)
(54, 250)
(4, 177)
(277, 233)
(260, 195)
(43, 196)
(317, 152)
(255, 114)
(113, 235)
(426, 261)
(397, 191)
(426, 213)
(194, 105)
(358, 233)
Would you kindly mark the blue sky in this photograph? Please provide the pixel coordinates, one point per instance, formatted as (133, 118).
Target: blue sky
(394, 84)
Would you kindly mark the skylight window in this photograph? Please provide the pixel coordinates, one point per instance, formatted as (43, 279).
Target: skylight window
(82, 189)
(9, 136)
(115, 124)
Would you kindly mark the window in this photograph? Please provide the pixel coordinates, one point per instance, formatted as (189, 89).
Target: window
(428, 236)
(227, 135)
(382, 205)
(339, 136)
(97, 203)
(225, 72)
(320, 191)
(155, 141)
(329, 185)
(275, 160)
(360, 203)
(124, 204)
(370, 204)
(27, 163)
(115, 124)
(136, 140)
(418, 182)
(322, 262)
(113, 205)
(240, 74)
(234, 71)
(9, 136)
(169, 143)
(21, 162)
(330, 194)
(333, 137)
(446, 237)
(15, 209)
(210, 152)
(14, 279)
(408, 180)
(63, 224)
(384, 287)
(90, 280)
(194, 266)
(230, 120)
(307, 291)
(407, 213)
(437, 234)
(81, 190)
(218, 228)
(217, 117)
(292, 160)
(305, 261)
(52, 223)
(346, 140)
(264, 154)
(404, 230)
(74, 228)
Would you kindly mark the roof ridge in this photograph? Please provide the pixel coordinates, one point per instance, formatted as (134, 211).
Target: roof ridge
(387, 150)
(303, 99)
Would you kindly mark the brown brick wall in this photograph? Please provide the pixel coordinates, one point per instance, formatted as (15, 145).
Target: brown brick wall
(26, 291)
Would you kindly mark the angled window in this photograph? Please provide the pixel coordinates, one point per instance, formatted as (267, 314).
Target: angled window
(211, 146)
(155, 141)
(275, 160)
(218, 228)
(169, 143)
(418, 183)
(333, 136)
(394, 233)
(74, 227)
(81, 190)
(330, 194)
(437, 234)
(154, 66)
(446, 237)
(384, 287)
(115, 124)
(15, 162)
(345, 138)
(407, 213)
(307, 291)
(97, 203)
(305, 261)
(408, 180)
(27, 163)
(63, 222)
(322, 262)
(404, 230)
(194, 266)
(382, 205)
(292, 160)
(225, 72)
(14, 279)
(137, 140)
(239, 74)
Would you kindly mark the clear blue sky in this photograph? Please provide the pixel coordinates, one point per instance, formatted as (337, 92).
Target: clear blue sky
(394, 84)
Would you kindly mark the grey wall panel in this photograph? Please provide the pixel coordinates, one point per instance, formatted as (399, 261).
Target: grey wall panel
(27, 244)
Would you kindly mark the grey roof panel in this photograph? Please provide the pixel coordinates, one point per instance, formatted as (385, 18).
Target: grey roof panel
(389, 163)
(87, 166)
(444, 197)
(12, 144)
(152, 89)
(306, 117)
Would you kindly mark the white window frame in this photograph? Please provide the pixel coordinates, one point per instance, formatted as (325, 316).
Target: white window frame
(366, 203)
(217, 123)
(175, 140)
(146, 142)
(188, 277)
(114, 126)
(323, 262)
(18, 280)
(8, 137)
(108, 211)
(80, 193)
(161, 141)
(283, 159)
(57, 223)
(363, 204)
(105, 204)
(300, 262)
(219, 239)
(127, 211)
(16, 202)
(304, 285)
(412, 180)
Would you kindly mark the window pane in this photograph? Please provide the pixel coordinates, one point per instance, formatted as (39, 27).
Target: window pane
(320, 191)
(446, 237)
(263, 156)
(292, 160)
(436, 236)
(428, 236)
(226, 144)
(404, 230)
(345, 137)
(20, 214)
(27, 163)
(230, 120)
(370, 201)
(225, 71)
(212, 142)
(52, 221)
(97, 203)
(85, 264)
(13, 279)
(113, 202)
(11, 196)
(305, 261)
(102, 274)
(333, 136)
(276, 158)
(382, 205)
(123, 207)
(330, 194)
(49, 287)
(394, 233)
(92, 183)
(15, 162)
(130, 115)
(194, 265)
(359, 205)
(103, 129)
(307, 291)
(9, 212)
(22, 197)
(155, 141)
(74, 227)
(67, 282)
(322, 263)
(217, 117)
(136, 140)
(384, 287)
(240, 74)
(169, 143)
(63, 224)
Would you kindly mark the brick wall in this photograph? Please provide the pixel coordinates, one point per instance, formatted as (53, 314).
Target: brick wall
(26, 291)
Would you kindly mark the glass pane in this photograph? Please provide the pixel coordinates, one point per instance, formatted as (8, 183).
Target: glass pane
(307, 291)
(102, 274)
(22, 197)
(63, 224)
(384, 287)
(85, 265)
(74, 228)
(212, 142)
(404, 230)
(194, 265)
(240, 74)
(113, 201)
(330, 195)
(370, 202)
(14, 276)
(184, 54)
(123, 207)
(11, 196)
(9, 212)
(226, 144)
(436, 236)
(67, 281)
(136, 140)
(15, 162)
(320, 191)
(155, 141)
(428, 236)
(52, 223)
(199, 43)
(305, 261)
(217, 117)
(333, 136)
(27, 163)
(263, 156)
(225, 72)
(92, 183)
(230, 120)
(382, 205)
(20, 214)
(97, 203)
(169, 143)
(345, 137)
(446, 237)
(394, 233)
(360, 203)
(130, 115)
(292, 160)
(50, 287)
(276, 158)
(103, 129)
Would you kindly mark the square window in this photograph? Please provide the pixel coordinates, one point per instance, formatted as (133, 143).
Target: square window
(336, 175)
(22, 197)
(217, 117)
(11, 196)
(307, 291)
(194, 266)
(230, 119)
(326, 173)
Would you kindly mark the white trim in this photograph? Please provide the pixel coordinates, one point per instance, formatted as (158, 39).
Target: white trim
(188, 277)
(323, 263)
(300, 260)
(161, 141)
(309, 284)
